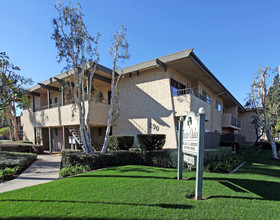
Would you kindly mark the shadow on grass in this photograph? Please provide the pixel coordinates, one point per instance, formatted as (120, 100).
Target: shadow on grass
(124, 176)
(139, 169)
(161, 205)
(268, 190)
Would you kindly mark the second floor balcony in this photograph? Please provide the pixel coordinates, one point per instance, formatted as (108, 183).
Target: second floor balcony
(187, 100)
(231, 122)
(58, 115)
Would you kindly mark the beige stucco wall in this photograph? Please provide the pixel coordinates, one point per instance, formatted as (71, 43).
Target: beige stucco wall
(63, 115)
(27, 121)
(182, 104)
(247, 128)
(146, 106)
(59, 116)
(185, 103)
(233, 110)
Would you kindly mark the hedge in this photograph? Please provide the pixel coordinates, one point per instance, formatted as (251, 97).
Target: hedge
(21, 147)
(15, 159)
(121, 142)
(151, 141)
(266, 145)
(166, 158)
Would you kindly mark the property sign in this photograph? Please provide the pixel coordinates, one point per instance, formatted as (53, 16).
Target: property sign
(190, 134)
(189, 159)
(191, 144)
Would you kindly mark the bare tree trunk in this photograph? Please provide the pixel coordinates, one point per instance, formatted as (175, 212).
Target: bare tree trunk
(104, 147)
(14, 121)
(269, 136)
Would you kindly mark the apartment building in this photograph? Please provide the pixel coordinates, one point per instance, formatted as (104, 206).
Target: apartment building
(153, 95)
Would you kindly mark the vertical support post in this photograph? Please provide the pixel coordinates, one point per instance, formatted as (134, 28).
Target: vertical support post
(62, 96)
(48, 97)
(33, 103)
(149, 124)
(63, 138)
(50, 139)
(200, 155)
(180, 153)
(35, 136)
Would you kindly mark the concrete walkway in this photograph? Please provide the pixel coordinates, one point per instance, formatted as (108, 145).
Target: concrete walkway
(44, 169)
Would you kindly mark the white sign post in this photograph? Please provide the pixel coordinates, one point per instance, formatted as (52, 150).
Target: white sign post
(191, 143)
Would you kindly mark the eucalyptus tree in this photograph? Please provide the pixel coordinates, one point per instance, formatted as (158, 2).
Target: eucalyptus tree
(261, 97)
(78, 48)
(273, 103)
(119, 52)
(12, 93)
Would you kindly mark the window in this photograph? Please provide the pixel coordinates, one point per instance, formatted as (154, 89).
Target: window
(109, 97)
(218, 105)
(50, 101)
(177, 88)
(55, 100)
(206, 97)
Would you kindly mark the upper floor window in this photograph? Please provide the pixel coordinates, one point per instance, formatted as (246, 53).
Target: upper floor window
(177, 88)
(218, 105)
(206, 97)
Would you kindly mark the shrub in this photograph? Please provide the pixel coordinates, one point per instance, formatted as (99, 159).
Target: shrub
(216, 154)
(212, 157)
(15, 159)
(151, 141)
(5, 132)
(8, 172)
(267, 146)
(21, 147)
(248, 148)
(122, 142)
(225, 165)
(161, 158)
(70, 170)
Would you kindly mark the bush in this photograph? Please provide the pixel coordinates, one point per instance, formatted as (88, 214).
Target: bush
(161, 158)
(122, 142)
(149, 142)
(225, 165)
(248, 148)
(70, 170)
(14, 159)
(5, 133)
(216, 154)
(212, 156)
(7, 172)
(21, 147)
(267, 146)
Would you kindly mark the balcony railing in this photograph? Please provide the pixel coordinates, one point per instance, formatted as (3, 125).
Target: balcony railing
(190, 91)
(235, 122)
(67, 102)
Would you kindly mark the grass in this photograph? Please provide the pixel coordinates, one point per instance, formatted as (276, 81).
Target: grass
(140, 192)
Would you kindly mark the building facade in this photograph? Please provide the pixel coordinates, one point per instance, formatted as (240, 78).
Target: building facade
(153, 95)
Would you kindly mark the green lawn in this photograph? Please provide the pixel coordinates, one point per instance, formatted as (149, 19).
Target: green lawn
(138, 192)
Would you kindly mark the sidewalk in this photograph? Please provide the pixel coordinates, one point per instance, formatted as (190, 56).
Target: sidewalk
(44, 170)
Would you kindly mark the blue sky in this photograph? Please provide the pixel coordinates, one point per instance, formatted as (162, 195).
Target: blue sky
(232, 38)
